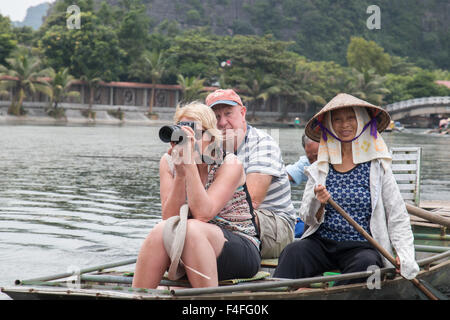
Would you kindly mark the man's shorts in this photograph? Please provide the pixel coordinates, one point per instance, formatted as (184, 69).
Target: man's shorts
(275, 233)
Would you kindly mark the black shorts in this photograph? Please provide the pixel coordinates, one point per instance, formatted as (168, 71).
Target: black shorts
(239, 258)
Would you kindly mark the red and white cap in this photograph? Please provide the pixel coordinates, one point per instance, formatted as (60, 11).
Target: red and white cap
(223, 96)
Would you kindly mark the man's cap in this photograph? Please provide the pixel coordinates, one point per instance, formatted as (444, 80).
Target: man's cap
(223, 96)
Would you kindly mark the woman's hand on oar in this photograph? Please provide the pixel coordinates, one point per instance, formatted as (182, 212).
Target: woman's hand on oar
(397, 260)
(323, 196)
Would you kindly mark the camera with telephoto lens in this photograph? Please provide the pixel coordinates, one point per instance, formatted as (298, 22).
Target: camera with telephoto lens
(174, 133)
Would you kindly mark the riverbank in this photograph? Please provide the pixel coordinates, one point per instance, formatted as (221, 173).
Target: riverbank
(73, 117)
(76, 118)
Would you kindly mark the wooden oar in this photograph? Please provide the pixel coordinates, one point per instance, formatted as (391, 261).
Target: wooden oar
(383, 251)
(424, 214)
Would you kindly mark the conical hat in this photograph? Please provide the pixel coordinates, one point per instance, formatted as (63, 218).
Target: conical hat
(343, 100)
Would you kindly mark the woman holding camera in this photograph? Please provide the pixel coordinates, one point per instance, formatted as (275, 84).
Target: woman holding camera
(220, 238)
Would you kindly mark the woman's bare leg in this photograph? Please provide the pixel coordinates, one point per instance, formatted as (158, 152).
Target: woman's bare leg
(203, 244)
(152, 261)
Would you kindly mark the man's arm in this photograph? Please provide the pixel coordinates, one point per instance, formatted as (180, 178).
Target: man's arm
(258, 184)
(296, 171)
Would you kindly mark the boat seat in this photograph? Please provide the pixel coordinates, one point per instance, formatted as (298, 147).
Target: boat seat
(269, 263)
(406, 169)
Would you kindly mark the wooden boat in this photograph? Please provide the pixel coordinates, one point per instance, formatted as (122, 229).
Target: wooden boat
(431, 233)
(97, 283)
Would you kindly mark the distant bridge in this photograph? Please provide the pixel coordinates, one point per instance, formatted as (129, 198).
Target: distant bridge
(419, 107)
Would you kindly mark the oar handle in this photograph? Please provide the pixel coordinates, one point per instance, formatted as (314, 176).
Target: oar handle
(383, 251)
(364, 233)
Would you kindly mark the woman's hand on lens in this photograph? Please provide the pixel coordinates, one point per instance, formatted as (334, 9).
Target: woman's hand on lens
(193, 154)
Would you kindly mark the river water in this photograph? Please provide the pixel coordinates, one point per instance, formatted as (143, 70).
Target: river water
(78, 196)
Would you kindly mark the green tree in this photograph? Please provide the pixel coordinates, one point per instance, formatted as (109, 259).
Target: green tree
(60, 83)
(157, 64)
(133, 31)
(24, 74)
(368, 86)
(366, 55)
(92, 83)
(194, 54)
(7, 39)
(402, 66)
(423, 85)
(92, 51)
(191, 88)
(396, 84)
(305, 81)
(260, 86)
(250, 53)
(267, 15)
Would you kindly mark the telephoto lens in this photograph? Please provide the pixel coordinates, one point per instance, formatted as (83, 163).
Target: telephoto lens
(174, 133)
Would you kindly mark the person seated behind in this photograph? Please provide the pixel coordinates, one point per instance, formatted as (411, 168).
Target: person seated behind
(267, 180)
(295, 171)
(354, 168)
(222, 229)
(297, 175)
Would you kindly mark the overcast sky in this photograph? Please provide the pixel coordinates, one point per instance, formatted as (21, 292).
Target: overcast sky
(16, 9)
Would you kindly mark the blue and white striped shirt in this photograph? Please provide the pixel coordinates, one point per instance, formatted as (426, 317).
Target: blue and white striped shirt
(261, 154)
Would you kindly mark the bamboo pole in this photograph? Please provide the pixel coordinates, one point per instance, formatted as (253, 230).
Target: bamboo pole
(383, 251)
(433, 258)
(86, 270)
(424, 214)
(425, 236)
(436, 249)
(100, 278)
(274, 283)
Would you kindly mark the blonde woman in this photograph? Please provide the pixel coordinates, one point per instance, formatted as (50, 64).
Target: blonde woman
(221, 229)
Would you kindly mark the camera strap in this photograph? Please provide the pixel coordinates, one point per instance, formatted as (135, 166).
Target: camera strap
(247, 194)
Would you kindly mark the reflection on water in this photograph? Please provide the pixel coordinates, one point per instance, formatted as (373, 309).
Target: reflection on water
(89, 195)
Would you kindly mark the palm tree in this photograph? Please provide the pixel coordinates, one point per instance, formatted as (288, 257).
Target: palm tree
(156, 62)
(368, 86)
(92, 83)
(302, 89)
(259, 86)
(60, 84)
(23, 75)
(191, 88)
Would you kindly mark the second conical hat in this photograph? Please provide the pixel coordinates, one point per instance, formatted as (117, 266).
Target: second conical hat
(343, 100)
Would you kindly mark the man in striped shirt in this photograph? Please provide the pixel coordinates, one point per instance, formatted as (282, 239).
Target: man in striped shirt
(267, 180)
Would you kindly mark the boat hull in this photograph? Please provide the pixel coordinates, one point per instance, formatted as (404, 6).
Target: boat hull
(396, 289)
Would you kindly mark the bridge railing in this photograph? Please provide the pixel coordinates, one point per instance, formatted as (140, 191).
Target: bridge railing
(417, 102)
